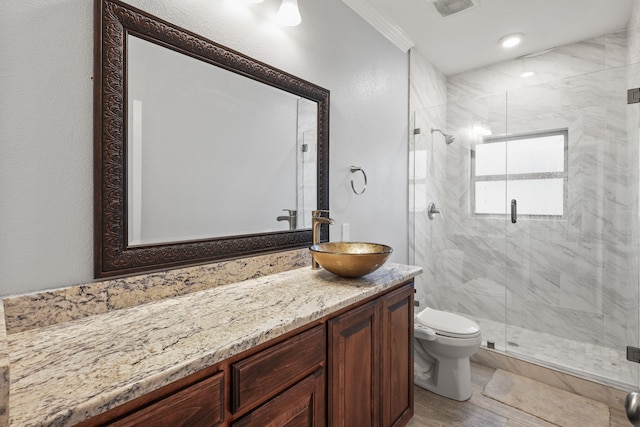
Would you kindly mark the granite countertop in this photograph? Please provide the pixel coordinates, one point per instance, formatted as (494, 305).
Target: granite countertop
(65, 373)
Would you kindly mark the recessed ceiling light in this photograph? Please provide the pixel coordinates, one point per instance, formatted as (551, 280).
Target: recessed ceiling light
(527, 74)
(511, 40)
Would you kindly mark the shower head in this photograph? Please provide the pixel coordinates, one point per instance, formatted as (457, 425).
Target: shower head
(447, 138)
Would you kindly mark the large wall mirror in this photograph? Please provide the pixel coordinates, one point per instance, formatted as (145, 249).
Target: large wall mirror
(202, 153)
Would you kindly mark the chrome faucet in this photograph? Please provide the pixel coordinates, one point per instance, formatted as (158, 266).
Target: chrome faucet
(292, 218)
(316, 220)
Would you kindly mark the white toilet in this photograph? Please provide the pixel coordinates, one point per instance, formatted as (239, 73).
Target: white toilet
(442, 345)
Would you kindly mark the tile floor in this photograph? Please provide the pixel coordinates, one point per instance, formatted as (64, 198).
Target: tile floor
(432, 410)
(601, 364)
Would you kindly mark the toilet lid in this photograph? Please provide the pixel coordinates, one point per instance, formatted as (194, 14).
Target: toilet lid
(448, 324)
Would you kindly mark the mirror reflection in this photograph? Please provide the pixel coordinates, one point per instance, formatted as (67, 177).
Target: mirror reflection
(212, 153)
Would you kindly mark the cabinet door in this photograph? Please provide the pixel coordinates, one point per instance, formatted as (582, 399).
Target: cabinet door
(300, 405)
(354, 367)
(396, 354)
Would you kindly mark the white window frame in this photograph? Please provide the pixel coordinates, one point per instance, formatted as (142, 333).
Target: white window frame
(516, 176)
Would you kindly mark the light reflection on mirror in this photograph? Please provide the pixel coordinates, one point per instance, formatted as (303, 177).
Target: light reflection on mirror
(211, 153)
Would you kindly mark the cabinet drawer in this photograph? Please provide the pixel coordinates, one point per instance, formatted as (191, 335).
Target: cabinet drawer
(201, 404)
(264, 374)
(301, 405)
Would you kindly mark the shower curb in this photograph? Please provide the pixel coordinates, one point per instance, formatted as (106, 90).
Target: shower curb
(613, 397)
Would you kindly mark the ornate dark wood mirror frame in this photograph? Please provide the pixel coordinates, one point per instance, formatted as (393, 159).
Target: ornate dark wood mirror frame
(113, 255)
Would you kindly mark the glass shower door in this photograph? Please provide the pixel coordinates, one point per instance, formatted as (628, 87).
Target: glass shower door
(572, 250)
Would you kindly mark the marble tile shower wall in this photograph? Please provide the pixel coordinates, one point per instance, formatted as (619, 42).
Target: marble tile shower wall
(428, 88)
(575, 277)
(600, 53)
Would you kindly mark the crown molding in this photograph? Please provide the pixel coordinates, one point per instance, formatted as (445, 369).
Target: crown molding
(387, 28)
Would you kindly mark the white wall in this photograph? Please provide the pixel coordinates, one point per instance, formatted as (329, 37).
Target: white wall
(46, 164)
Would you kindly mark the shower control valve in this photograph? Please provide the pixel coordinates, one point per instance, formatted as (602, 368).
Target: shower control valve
(432, 210)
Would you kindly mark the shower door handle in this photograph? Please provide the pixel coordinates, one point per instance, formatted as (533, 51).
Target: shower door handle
(514, 211)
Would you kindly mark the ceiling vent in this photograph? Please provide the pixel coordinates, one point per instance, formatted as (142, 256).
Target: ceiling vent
(451, 7)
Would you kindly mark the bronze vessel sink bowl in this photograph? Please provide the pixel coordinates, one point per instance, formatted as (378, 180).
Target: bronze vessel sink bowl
(350, 259)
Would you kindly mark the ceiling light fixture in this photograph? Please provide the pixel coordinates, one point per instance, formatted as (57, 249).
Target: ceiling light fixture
(511, 40)
(289, 14)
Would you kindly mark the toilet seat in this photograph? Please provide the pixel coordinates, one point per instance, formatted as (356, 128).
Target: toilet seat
(448, 324)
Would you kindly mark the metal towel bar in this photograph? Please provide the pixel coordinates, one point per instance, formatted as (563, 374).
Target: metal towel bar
(359, 169)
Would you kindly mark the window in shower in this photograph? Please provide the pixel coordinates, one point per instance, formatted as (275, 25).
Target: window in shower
(531, 168)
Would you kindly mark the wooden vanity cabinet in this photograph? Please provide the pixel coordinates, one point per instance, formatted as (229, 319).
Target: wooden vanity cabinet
(370, 363)
(350, 369)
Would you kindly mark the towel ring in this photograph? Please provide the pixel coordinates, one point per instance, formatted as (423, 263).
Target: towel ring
(356, 169)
